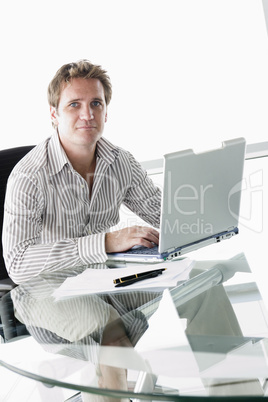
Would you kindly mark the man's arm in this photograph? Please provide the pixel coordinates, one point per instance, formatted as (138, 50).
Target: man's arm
(144, 199)
(24, 254)
(143, 196)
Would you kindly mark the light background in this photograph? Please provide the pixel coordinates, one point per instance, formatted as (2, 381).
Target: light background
(185, 73)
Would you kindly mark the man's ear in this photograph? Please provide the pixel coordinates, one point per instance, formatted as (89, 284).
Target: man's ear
(53, 115)
(106, 118)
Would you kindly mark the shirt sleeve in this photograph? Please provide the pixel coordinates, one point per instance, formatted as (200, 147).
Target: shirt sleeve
(143, 196)
(24, 254)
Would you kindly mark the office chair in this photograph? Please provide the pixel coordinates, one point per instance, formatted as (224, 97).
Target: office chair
(8, 159)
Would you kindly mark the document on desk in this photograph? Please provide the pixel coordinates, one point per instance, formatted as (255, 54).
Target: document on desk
(93, 281)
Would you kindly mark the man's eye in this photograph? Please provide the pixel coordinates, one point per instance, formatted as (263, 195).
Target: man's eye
(96, 103)
(74, 104)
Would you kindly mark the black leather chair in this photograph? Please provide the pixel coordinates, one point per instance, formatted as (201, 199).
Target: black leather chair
(11, 327)
(8, 159)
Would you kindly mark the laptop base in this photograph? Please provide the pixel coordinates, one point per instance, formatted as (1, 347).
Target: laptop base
(145, 255)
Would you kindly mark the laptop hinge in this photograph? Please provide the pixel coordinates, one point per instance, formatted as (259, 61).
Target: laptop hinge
(230, 228)
(171, 249)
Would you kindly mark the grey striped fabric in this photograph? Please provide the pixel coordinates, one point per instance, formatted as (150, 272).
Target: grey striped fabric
(50, 220)
(74, 326)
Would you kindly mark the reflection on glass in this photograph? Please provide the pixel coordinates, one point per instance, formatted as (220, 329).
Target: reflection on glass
(139, 340)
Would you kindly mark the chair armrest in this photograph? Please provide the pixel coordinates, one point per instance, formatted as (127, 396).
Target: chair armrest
(6, 285)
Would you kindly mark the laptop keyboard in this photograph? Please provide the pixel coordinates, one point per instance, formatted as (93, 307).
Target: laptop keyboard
(143, 250)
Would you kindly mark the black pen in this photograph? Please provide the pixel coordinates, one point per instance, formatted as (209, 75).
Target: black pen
(136, 276)
(147, 275)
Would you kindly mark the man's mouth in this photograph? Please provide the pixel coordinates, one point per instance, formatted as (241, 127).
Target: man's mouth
(86, 127)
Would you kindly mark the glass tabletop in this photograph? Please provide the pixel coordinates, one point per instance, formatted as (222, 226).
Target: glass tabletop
(206, 336)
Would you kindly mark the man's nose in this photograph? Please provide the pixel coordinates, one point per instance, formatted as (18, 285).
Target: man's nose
(86, 114)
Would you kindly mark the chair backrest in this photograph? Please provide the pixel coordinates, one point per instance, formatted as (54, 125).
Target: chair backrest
(8, 159)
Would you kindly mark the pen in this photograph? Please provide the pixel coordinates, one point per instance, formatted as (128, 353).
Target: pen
(136, 276)
(147, 275)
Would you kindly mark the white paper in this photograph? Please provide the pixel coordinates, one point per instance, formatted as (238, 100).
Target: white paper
(93, 281)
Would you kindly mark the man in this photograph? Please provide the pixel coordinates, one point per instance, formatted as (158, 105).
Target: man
(65, 195)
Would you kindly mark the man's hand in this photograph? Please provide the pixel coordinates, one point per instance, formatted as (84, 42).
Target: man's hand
(124, 239)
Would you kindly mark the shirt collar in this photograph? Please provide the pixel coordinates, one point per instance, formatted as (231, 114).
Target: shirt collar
(107, 151)
(57, 157)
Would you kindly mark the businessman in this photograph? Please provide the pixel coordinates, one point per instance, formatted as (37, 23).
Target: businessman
(63, 198)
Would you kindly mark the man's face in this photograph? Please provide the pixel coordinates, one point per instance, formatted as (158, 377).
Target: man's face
(81, 113)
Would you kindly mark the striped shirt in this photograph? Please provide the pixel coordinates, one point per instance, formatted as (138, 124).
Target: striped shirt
(50, 220)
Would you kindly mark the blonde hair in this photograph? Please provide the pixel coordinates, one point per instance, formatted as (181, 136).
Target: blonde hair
(80, 69)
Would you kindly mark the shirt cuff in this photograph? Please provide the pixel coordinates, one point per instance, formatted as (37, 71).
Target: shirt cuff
(91, 248)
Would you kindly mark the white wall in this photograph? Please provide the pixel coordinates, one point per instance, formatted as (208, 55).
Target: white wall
(186, 73)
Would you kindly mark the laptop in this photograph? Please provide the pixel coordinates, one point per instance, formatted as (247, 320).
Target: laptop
(200, 202)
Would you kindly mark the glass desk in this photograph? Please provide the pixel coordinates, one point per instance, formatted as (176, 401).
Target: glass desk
(205, 337)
